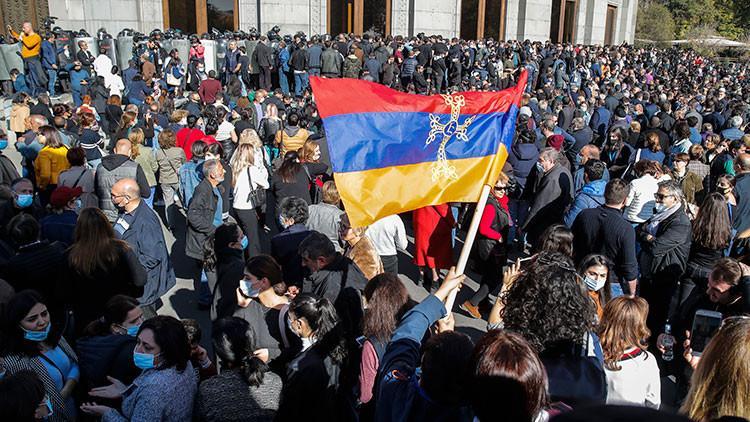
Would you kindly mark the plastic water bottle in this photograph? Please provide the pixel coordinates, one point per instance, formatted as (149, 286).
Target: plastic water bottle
(667, 342)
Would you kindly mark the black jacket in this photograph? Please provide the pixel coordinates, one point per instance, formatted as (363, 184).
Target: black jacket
(311, 388)
(34, 267)
(42, 110)
(230, 268)
(284, 248)
(552, 193)
(668, 252)
(603, 230)
(103, 356)
(263, 55)
(200, 219)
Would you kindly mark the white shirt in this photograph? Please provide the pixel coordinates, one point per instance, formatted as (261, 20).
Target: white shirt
(636, 384)
(224, 131)
(640, 202)
(102, 65)
(388, 235)
(115, 84)
(242, 187)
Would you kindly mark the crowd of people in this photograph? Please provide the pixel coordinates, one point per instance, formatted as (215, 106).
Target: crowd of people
(622, 212)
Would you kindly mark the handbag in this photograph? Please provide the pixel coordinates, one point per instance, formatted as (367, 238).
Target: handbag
(576, 378)
(256, 197)
(315, 192)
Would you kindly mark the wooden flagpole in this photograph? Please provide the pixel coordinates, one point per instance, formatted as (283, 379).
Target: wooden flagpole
(471, 235)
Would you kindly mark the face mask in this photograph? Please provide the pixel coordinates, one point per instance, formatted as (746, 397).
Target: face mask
(3, 143)
(143, 360)
(132, 331)
(244, 242)
(24, 200)
(307, 343)
(36, 335)
(659, 208)
(593, 284)
(79, 204)
(48, 403)
(246, 286)
(281, 222)
(539, 167)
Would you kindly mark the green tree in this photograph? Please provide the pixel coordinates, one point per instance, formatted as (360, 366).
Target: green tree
(654, 22)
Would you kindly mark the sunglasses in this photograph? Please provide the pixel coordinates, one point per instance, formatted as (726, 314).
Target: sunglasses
(660, 196)
(501, 188)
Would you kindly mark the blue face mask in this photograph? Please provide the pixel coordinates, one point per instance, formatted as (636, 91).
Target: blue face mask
(79, 204)
(48, 403)
(244, 242)
(132, 331)
(24, 200)
(143, 360)
(36, 335)
(3, 144)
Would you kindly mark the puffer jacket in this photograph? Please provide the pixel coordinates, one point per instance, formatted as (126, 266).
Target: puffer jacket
(523, 158)
(591, 196)
(291, 138)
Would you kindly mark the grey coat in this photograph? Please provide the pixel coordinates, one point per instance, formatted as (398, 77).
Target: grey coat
(158, 395)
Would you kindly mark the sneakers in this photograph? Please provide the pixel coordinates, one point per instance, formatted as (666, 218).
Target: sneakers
(471, 309)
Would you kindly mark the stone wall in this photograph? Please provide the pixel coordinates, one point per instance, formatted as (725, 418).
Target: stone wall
(439, 17)
(114, 15)
(293, 15)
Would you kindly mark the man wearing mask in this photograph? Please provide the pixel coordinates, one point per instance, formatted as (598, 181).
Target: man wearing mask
(552, 192)
(8, 172)
(21, 201)
(139, 225)
(116, 167)
(204, 215)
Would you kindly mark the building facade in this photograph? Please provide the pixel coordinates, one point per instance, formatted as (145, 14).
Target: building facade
(577, 21)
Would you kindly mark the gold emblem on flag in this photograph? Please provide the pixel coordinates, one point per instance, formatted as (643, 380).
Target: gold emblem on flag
(441, 169)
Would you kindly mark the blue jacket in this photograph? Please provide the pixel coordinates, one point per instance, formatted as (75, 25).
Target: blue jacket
(127, 76)
(284, 59)
(49, 55)
(59, 227)
(523, 158)
(579, 181)
(190, 174)
(591, 196)
(315, 52)
(400, 398)
(600, 121)
(138, 91)
(20, 85)
(77, 76)
(145, 237)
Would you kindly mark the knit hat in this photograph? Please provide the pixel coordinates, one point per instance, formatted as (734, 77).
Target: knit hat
(64, 194)
(555, 141)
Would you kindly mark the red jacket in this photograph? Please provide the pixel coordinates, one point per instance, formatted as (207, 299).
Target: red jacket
(185, 137)
(208, 90)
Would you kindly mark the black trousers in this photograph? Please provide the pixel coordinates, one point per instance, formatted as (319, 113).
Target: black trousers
(390, 263)
(248, 221)
(265, 78)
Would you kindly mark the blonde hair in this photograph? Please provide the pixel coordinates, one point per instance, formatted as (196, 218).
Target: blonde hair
(720, 385)
(243, 158)
(136, 138)
(178, 115)
(250, 136)
(307, 151)
(623, 326)
(331, 193)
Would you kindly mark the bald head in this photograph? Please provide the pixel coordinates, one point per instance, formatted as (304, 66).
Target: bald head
(125, 194)
(123, 147)
(743, 162)
(36, 121)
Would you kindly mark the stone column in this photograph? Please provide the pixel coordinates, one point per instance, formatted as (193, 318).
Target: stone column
(399, 17)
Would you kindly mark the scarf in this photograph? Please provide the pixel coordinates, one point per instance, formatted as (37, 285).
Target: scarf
(653, 223)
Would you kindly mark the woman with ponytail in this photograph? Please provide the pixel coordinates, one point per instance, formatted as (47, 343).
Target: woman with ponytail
(107, 348)
(245, 389)
(312, 384)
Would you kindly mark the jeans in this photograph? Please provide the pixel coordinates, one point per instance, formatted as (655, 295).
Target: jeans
(36, 77)
(52, 76)
(300, 83)
(150, 200)
(519, 211)
(284, 82)
(313, 71)
(168, 193)
(77, 100)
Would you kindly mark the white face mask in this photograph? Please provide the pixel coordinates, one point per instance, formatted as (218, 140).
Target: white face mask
(246, 286)
(594, 284)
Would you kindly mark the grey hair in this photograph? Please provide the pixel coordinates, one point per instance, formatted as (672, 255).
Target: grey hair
(550, 154)
(735, 121)
(209, 166)
(674, 189)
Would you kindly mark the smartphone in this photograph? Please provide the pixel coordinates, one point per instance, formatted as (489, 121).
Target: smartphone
(705, 325)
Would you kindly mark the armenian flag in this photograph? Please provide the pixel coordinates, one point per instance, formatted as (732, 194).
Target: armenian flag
(393, 152)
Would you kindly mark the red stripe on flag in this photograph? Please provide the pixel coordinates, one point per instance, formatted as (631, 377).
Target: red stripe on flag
(346, 96)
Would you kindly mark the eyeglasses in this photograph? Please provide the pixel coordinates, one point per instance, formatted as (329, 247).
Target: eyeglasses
(661, 197)
(501, 188)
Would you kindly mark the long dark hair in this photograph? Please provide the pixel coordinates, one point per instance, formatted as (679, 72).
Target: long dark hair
(557, 238)
(234, 342)
(15, 311)
(711, 227)
(591, 260)
(323, 320)
(95, 246)
(387, 300)
(20, 395)
(265, 266)
(115, 312)
(290, 167)
(548, 305)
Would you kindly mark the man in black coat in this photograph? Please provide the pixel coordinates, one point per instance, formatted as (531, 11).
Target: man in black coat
(603, 230)
(293, 214)
(263, 55)
(551, 194)
(335, 277)
(139, 225)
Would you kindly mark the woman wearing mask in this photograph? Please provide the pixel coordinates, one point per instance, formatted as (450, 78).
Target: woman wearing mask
(250, 183)
(50, 162)
(261, 302)
(165, 390)
(617, 153)
(387, 300)
(311, 388)
(491, 246)
(22, 398)
(31, 344)
(711, 236)
(99, 267)
(725, 186)
(79, 176)
(146, 158)
(245, 389)
(106, 350)
(720, 385)
(631, 370)
(665, 245)
(169, 159)
(359, 248)
(595, 272)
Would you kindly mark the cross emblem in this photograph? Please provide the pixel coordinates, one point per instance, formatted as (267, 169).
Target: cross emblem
(447, 131)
